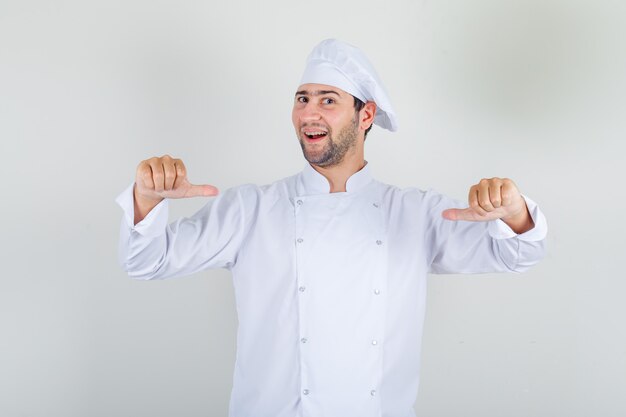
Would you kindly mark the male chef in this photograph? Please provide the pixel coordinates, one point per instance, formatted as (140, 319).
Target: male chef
(329, 265)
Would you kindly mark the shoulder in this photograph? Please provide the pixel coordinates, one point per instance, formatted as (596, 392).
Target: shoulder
(405, 196)
(410, 200)
(253, 194)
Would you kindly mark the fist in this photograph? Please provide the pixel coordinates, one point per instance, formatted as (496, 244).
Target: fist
(166, 177)
(491, 199)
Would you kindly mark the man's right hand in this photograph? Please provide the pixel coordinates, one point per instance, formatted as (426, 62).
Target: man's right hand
(164, 177)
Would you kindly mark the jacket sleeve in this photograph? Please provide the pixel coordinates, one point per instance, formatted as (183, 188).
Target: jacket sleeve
(210, 238)
(478, 247)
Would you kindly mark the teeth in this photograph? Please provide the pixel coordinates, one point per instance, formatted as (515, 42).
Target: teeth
(315, 133)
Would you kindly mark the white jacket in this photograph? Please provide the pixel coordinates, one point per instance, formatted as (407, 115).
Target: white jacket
(330, 287)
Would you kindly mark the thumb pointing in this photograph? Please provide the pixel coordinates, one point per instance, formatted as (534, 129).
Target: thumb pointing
(459, 214)
(202, 191)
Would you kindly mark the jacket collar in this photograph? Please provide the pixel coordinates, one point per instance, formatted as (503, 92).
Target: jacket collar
(311, 182)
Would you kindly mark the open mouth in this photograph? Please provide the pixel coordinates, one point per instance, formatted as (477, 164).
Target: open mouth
(315, 135)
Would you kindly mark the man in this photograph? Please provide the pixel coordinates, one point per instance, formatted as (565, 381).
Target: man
(329, 266)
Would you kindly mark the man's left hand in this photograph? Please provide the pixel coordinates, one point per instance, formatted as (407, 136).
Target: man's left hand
(491, 199)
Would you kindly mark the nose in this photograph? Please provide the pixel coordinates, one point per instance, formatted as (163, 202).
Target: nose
(309, 112)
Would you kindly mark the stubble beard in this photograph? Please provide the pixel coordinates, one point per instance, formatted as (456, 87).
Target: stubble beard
(334, 150)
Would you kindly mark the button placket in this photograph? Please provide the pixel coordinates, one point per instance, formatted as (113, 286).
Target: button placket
(311, 287)
(301, 299)
(378, 294)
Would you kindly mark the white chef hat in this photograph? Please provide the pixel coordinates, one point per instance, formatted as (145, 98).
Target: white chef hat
(336, 63)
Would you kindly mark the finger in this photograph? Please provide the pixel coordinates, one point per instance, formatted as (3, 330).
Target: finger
(509, 192)
(181, 173)
(467, 214)
(471, 215)
(204, 190)
(170, 174)
(473, 201)
(494, 192)
(144, 175)
(158, 175)
(483, 195)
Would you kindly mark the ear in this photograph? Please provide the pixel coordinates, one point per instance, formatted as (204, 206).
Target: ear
(366, 115)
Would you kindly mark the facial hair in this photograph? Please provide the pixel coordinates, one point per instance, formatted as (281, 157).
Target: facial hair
(335, 149)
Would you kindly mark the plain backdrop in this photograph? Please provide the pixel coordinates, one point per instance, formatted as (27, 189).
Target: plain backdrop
(533, 90)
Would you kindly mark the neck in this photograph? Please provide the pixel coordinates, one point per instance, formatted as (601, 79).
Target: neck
(337, 175)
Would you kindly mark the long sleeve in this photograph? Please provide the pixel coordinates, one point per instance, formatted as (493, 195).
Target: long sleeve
(210, 238)
(477, 247)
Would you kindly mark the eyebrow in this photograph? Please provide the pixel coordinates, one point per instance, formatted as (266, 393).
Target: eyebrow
(316, 93)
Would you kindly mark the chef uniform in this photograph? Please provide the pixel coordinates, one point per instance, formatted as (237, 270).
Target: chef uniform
(330, 288)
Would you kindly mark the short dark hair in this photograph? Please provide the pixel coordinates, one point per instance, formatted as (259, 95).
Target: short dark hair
(358, 105)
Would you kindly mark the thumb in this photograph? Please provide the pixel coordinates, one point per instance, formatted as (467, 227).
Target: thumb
(204, 190)
(466, 214)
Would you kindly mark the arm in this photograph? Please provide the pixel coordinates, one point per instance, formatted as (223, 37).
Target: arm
(211, 238)
(500, 231)
(150, 248)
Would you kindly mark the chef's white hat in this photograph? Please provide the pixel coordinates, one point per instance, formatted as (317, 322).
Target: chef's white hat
(336, 63)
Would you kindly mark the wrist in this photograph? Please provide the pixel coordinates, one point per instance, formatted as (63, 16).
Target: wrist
(143, 204)
(521, 222)
(149, 199)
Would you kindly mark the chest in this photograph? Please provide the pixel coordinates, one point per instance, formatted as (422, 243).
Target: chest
(339, 238)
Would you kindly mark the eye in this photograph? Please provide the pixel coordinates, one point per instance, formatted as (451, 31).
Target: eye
(301, 99)
(328, 100)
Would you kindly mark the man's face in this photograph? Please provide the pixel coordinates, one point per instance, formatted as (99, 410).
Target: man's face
(326, 123)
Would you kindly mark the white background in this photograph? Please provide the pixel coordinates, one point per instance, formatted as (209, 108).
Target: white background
(531, 90)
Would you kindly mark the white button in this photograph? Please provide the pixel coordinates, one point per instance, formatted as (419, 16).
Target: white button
(299, 202)
(374, 342)
(377, 291)
(300, 240)
(305, 391)
(301, 289)
(373, 392)
(303, 340)
(379, 242)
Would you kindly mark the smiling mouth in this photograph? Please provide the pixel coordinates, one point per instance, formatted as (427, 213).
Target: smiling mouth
(315, 135)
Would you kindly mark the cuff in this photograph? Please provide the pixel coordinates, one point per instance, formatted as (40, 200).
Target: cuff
(153, 224)
(500, 230)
